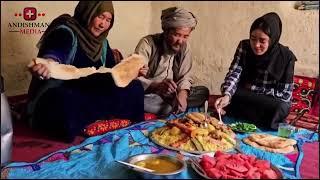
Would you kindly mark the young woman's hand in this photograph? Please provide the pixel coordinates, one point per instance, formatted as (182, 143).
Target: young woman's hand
(221, 103)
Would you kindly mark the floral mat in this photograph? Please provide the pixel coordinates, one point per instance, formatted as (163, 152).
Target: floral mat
(95, 157)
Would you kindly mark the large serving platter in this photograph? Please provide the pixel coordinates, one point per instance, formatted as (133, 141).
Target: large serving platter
(190, 134)
(183, 150)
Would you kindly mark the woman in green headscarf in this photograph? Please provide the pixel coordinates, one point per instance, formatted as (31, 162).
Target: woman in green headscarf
(69, 106)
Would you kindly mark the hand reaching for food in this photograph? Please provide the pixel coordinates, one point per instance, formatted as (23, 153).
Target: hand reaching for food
(180, 102)
(221, 103)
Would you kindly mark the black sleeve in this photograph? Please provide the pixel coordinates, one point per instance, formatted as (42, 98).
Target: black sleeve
(289, 72)
(57, 45)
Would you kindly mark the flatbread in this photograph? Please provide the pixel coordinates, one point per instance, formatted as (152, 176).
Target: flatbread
(63, 71)
(285, 150)
(123, 73)
(271, 141)
(127, 70)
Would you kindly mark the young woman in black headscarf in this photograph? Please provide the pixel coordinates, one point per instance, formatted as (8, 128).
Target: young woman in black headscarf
(66, 107)
(259, 83)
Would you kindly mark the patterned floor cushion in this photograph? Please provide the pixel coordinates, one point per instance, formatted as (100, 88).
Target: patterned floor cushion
(305, 104)
(304, 89)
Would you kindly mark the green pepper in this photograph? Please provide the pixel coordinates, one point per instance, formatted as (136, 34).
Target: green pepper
(244, 127)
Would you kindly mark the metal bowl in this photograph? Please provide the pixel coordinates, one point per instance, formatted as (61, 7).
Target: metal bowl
(145, 174)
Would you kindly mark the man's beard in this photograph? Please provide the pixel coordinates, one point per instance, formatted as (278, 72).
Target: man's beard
(176, 48)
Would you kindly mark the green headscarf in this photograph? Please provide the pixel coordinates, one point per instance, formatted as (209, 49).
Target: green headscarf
(84, 13)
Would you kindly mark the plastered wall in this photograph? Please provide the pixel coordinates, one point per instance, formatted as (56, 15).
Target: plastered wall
(221, 26)
(132, 21)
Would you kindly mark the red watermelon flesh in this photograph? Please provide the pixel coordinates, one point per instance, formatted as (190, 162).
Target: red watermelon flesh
(269, 174)
(262, 165)
(213, 173)
(235, 166)
(206, 165)
(209, 159)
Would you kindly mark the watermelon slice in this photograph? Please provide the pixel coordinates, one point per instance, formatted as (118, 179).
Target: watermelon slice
(206, 165)
(262, 165)
(237, 167)
(209, 159)
(213, 173)
(237, 174)
(269, 174)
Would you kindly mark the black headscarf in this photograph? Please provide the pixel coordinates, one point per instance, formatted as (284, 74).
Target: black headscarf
(84, 13)
(277, 57)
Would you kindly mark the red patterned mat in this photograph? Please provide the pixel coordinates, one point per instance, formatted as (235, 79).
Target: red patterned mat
(304, 111)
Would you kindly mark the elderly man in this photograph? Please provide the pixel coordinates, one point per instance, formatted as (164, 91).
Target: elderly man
(168, 82)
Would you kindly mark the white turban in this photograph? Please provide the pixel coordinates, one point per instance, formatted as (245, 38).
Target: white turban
(175, 17)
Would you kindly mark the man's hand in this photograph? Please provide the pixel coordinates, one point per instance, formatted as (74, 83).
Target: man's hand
(180, 102)
(221, 103)
(143, 71)
(165, 87)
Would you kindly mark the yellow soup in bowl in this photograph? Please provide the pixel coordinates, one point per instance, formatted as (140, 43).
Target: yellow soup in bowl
(159, 164)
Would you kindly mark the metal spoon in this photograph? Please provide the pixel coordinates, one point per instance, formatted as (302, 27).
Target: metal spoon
(211, 154)
(219, 113)
(135, 166)
(206, 114)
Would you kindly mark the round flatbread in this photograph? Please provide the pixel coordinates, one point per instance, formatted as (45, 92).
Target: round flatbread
(123, 73)
(271, 141)
(285, 150)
